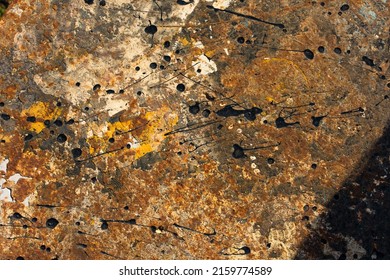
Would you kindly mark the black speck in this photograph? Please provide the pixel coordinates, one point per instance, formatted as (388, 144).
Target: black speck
(368, 61)
(110, 91)
(194, 109)
(167, 44)
(167, 58)
(71, 121)
(51, 223)
(104, 225)
(20, 258)
(17, 216)
(59, 104)
(240, 40)
(46, 123)
(246, 250)
(337, 50)
(321, 49)
(322, 4)
(162, 67)
(238, 151)
(137, 68)
(317, 120)
(206, 113)
(5, 117)
(43, 247)
(34, 220)
(28, 137)
(111, 140)
(153, 65)
(306, 208)
(181, 87)
(314, 166)
(58, 122)
(31, 119)
(96, 87)
(2, 104)
(89, 2)
(344, 7)
(78, 84)
(270, 161)
(309, 54)
(76, 152)
(128, 146)
(62, 138)
(151, 29)
(102, 3)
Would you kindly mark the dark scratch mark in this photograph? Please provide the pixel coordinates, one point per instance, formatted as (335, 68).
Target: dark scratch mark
(280, 25)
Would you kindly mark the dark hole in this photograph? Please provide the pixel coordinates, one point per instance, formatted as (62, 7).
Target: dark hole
(309, 54)
(246, 250)
(31, 119)
(102, 3)
(337, 50)
(181, 87)
(238, 152)
(321, 49)
(58, 122)
(76, 152)
(78, 84)
(34, 220)
(110, 91)
(5, 117)
(48, 249)
(1, 104)
(111, 140)
(71, 121)
(59, 104)
(96, 87)
(151, 29)
(153, 65)
(194, 109)
(46, 123)
(28, 137)
(139, 93)
(336, 196)
(314, 166)
(167, 44)
(270, 160)
(126, 207)
(61, 138)
(344, 7)
(206, 113)
(322, 4)
(52, 223)
(20, 258)
(25, 226)
(306, 208)
(240, 40)
(162, 67)
(128, 146)
(137, 68)
(153, 229)
(17, 216)
(167, 58)
(104, 225)
(77, 223)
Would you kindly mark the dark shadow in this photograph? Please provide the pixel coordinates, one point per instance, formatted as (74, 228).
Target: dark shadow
(357, 223)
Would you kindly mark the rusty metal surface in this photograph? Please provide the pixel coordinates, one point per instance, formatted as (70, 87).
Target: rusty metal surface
(186, 129)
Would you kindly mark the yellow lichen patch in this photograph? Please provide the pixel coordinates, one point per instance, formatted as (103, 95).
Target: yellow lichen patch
(41, 111)
(160, 122)
(157, 123)
(118, 126)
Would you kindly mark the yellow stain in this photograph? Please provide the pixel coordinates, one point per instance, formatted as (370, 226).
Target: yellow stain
(42, 111)
(152, 134)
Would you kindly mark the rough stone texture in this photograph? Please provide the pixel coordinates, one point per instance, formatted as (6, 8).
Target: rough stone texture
(235, 144)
